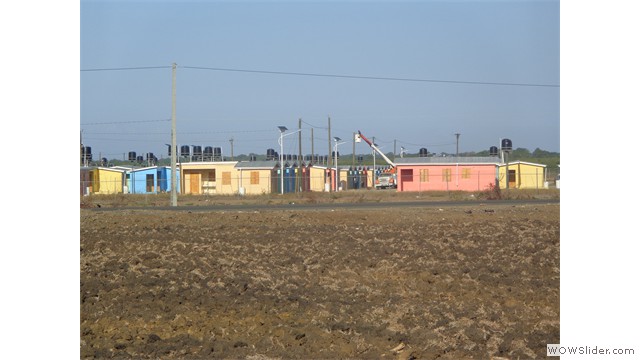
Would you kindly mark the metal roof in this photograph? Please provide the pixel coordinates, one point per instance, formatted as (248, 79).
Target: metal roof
(449, 160)
(263, 164)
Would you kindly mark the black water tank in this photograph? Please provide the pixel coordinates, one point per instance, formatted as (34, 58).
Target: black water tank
(493, 151)
(86, 153)
(271, 154)
(217, 152)
(184, 150)
(506, 145)
(423, 152)
(132, 156)
(333, 154)
(140, 158)
(252, 157)
(150, 156)
(197, 153)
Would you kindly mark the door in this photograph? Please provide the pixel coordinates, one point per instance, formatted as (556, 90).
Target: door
(512, 179)
(150, 183)
(194, 183)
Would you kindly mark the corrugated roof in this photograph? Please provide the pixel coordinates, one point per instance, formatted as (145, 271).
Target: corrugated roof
(263, 164)
(447, 160)
(524, 162)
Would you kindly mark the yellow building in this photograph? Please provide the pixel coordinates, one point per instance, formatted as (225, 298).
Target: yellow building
(318, 178)
(208, 178)
(523, 175)
(256, 177)
(104, 180)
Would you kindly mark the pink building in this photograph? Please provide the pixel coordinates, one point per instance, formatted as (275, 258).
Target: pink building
(446, 173)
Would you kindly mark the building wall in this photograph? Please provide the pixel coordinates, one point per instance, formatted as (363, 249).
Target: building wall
(138, 181)
(107, 181)
(317, 180)
(256, 181)
(527, 176)
(446, 177)
(164, 179)
(209, 178)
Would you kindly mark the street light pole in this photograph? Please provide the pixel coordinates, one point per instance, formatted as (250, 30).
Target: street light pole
(281, 142)
(174, 191)
(335, 153)
(282, 130)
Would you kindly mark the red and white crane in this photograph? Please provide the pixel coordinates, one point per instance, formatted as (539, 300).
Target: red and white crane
(374, 147)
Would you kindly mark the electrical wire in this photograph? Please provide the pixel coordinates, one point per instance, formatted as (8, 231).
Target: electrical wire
(123, 122)
(359, 77)
(128, 68)
(368, 77)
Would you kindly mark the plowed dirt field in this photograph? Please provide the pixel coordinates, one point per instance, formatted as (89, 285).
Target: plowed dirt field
(477, 281)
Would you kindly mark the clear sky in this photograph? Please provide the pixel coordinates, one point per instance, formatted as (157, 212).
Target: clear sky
(414, 72)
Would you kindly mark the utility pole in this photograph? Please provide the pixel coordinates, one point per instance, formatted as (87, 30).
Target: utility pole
(312, 153)
(329, 157)
(174, 193)
(394, 151)
(231, 141)
(457, 141)
(299, 175)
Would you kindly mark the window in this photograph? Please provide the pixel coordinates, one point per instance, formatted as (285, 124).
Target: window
(466, 173)
(446, 175)
(226, 178)
(255, 178)
(424, 175)
(210, 175)
(406, 175)
(512, 176)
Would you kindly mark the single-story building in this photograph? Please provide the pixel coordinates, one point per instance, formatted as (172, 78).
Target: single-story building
(523, 175)
(446, 173)
(151, 180)
(208, 178)
(318, 178)
(106, 180)
(257, 177)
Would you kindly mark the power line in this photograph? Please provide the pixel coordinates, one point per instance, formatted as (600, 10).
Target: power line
(369, 77)
(129, 68)
(328, 75)
(124, 122)
(314, 126)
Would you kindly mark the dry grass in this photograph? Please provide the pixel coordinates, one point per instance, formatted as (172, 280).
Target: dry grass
(349, 196)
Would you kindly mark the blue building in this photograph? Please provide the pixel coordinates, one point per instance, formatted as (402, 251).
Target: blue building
(151, 180)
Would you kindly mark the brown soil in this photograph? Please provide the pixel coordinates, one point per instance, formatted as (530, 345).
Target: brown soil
(476, 281)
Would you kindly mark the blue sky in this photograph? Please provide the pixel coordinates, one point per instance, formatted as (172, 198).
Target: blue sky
(470, 45)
